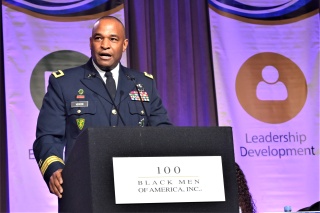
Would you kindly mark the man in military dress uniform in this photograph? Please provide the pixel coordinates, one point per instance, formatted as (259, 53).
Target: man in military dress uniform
(99, 93)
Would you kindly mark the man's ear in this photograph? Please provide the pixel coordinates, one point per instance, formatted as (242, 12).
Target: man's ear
(90, 42)
(125, 45)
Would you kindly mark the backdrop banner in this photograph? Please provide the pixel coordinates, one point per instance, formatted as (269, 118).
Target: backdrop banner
(40, 37)
(266, 67)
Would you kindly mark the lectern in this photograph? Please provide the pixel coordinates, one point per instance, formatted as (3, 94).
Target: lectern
(88, 174)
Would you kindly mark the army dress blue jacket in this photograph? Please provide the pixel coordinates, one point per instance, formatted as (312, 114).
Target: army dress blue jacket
(77, 98)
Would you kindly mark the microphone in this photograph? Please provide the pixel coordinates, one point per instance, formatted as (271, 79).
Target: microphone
(131, 78)
(137, 86)
(121, 94)
(113, 103)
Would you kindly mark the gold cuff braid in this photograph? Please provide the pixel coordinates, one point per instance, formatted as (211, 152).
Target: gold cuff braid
(49, 161)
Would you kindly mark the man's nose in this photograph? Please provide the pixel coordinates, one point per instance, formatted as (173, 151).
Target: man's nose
(105, 44)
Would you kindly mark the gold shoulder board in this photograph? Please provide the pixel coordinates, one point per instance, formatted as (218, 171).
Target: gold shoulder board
(148, 75)
(58, 74)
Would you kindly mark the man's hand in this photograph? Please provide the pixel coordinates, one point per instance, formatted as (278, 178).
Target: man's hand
(55, 183)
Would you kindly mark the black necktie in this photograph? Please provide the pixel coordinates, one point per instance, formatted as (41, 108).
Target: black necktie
(111, 84)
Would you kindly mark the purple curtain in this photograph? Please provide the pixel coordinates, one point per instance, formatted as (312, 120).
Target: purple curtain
(171, 40)
(4, 198)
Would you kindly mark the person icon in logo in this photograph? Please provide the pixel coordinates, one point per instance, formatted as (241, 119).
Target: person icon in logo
(271, 89)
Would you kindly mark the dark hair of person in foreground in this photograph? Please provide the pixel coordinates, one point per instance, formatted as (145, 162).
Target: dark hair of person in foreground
(245, 199)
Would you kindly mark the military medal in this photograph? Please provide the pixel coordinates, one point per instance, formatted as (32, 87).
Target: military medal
(144, 96)
(134, 95)
(80, 94)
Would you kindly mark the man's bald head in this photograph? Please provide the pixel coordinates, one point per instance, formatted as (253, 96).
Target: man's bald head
(111, 18)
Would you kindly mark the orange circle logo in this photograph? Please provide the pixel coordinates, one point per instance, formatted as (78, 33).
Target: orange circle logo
(271, 88)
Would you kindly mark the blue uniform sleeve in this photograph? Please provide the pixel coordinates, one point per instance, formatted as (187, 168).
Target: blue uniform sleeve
(50, 134)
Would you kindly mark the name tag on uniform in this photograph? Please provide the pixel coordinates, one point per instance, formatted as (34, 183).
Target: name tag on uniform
(79, 104)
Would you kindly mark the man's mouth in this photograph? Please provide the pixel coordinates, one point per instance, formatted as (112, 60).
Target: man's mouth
(105, 55)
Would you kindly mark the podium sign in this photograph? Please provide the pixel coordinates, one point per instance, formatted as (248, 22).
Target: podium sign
(89, 182)
(168, 179)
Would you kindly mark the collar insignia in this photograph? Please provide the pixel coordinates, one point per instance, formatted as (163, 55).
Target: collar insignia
(58, 74)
